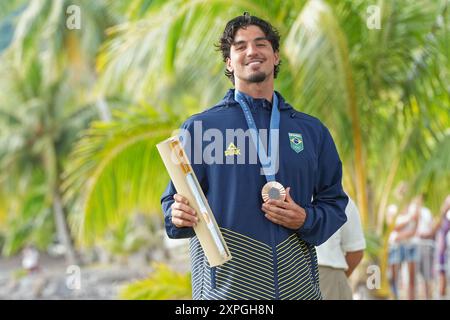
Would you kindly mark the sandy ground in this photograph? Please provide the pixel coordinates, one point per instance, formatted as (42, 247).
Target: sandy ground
(55, 279)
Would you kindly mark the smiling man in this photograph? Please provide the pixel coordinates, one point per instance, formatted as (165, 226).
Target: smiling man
(274, 211)
(251, 62)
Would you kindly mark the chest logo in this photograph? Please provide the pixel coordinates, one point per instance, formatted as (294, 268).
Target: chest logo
(296, 141)
(232, 150)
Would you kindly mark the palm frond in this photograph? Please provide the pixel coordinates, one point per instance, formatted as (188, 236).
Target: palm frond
(115, 170)
(28, 217)
(185, 32)
(317, 49)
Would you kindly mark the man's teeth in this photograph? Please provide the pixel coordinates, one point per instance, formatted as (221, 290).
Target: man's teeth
(254, 62)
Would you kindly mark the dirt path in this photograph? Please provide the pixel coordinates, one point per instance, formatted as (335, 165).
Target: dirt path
(56, 280)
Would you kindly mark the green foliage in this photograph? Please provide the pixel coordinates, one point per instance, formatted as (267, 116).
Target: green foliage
(389, 85)
(132, 234)
(2, 241)
(163, 284)
(374, 245)
(30, 219)
(115, 170)
(43, 105)
(123, 239)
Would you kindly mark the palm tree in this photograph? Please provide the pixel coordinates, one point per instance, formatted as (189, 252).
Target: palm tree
(35, 138)
(46, 70)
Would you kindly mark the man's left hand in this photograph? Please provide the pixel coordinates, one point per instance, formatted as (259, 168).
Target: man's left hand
(285, 213)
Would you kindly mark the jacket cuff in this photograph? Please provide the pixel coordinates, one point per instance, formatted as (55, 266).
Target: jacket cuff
(307, 225)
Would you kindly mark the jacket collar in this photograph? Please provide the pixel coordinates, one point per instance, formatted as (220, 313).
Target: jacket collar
(228, 100)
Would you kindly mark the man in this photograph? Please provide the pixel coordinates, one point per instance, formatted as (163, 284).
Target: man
(340, 255)
(272, 243)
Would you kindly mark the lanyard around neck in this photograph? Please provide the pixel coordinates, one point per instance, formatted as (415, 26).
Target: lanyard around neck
(264, 158)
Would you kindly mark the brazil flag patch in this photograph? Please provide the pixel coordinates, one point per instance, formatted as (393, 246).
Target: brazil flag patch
(296, 140)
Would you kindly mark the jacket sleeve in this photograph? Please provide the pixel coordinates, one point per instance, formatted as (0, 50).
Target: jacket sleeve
(187, 138)
(326, 213)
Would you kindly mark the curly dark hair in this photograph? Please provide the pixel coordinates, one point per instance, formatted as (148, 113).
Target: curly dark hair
(227, 38)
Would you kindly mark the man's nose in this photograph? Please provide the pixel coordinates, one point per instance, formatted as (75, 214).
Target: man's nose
(252, 50)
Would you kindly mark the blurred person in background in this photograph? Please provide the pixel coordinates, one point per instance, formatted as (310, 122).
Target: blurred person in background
(443, 245)
(340, 255)
(30, 259)
(424, 240)
(402, 248)
(393, 256)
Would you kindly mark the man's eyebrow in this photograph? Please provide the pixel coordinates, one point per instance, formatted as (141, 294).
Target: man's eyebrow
(235, 43)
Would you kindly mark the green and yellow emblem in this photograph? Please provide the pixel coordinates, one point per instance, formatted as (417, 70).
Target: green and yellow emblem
(296, 140)
(232, 150)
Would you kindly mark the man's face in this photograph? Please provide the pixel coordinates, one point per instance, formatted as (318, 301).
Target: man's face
(252, 58)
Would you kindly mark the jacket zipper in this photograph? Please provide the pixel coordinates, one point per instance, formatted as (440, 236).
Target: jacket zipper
(275, 261)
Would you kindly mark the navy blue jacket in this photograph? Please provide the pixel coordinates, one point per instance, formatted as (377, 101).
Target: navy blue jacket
(269, 261)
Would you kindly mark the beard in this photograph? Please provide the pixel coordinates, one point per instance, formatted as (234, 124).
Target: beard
(257, 77)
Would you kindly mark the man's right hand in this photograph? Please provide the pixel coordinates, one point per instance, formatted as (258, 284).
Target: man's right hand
(182, 214)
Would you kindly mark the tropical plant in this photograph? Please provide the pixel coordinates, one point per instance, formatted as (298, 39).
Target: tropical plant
(34, 224)
(113, 171)
(34, 140)
(164, 283)
(46, 71)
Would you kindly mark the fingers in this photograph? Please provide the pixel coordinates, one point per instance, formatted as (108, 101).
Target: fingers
(183, 207)
(179, 198)
(182, 214)
(285, 213)
(275, 209)
(278, 203)
(276, 215)
(279, 215)
(288, 195)
(180, 223)
(274, 219)
(183, 219)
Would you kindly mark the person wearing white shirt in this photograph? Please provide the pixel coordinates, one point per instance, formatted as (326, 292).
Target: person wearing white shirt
(402, 248)
(340, 255)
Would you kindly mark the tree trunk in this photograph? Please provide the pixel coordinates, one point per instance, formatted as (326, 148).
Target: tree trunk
(50, 161)
(62, 229)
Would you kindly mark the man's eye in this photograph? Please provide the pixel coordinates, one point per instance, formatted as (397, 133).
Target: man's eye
(240, 48)
(261, 45)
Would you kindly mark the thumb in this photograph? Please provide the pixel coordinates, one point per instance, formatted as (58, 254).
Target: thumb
(288, 195)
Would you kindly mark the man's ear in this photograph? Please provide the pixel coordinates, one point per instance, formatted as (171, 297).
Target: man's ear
(277, 58)
(228, 62)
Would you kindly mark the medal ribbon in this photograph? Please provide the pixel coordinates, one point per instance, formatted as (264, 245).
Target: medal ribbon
(264, 158)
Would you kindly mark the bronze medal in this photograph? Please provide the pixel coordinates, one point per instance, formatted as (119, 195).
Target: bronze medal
(273, 190)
